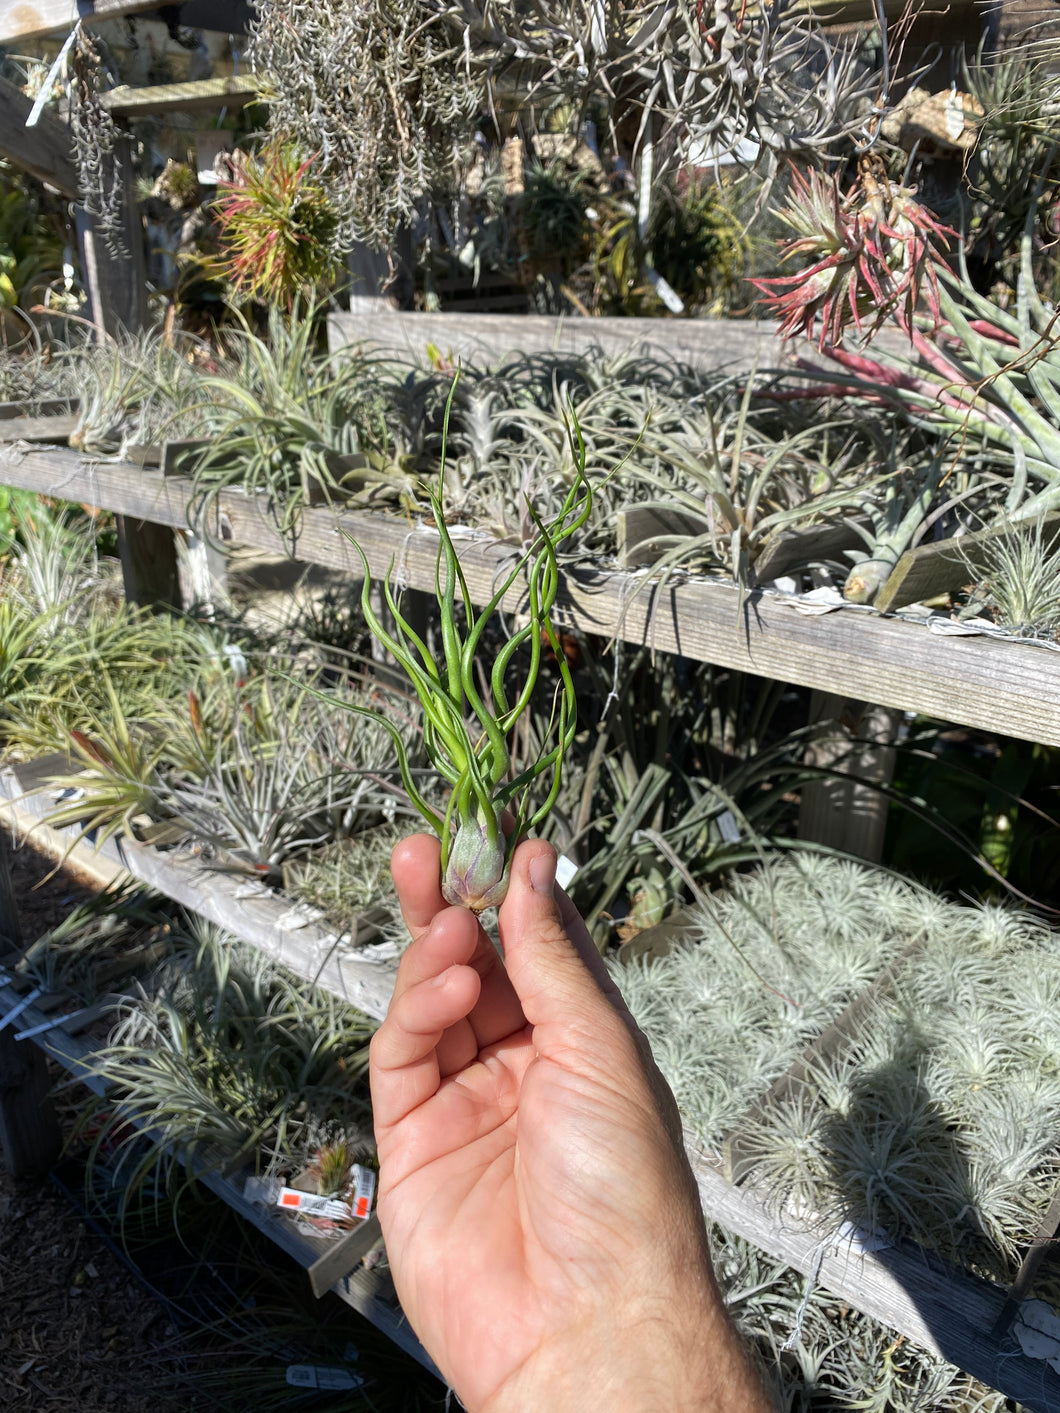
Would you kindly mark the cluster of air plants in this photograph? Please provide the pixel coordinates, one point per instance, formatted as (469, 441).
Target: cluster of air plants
(286, 423)
(225, 1061)
(390, 96)
(817, 1352)
(134, 390)
(934, 1117)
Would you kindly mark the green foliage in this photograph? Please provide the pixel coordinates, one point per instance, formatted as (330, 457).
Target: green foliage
(31, 243)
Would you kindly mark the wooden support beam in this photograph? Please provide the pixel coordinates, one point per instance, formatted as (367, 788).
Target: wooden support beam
(1009, 687)
(44, 150)
(27, 19)
(857, 742)
(149, 567)
(29, 1131)
(204, 95)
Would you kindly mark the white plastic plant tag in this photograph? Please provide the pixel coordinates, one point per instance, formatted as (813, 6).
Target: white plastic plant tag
(363, 1191)
(565, 870)
(728, 827)
(16, 1011)
(1038, 1330)
(318, 1376)
(312, 1204)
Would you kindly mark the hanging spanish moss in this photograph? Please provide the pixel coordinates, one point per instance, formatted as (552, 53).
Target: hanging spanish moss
(97, 143)
(378, 91)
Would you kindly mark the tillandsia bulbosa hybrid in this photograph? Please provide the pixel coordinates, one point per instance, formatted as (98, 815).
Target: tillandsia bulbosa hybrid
(467, 738)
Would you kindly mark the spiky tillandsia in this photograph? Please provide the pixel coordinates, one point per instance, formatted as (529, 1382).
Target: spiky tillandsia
(872, 256)
(467, 738)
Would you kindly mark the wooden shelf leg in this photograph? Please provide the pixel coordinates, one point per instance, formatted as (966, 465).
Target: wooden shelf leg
(856, 740)
(29, 1130)
(149, 567)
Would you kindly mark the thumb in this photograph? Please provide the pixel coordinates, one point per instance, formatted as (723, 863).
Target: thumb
(552, 962)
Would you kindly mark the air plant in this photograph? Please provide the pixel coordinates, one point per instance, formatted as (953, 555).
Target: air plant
(871, 257)
(277, 227)
(467, 733)
(1018, 577)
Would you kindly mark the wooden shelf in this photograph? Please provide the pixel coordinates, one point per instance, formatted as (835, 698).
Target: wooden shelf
(1006, 687)
(260, 918)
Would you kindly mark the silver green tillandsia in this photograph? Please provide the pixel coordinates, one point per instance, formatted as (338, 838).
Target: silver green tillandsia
(466, 738)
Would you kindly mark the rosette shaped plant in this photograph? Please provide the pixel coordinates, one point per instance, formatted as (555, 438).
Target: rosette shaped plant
(468, 731)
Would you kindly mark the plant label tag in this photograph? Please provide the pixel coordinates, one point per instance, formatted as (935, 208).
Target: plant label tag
(728, 828)
(565, 870)
(318, 1376)
(312, 1204)
(363, 1191)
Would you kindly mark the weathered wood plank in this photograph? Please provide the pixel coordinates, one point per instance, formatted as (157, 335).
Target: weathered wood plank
(708, 343)
(43, 150)
(26, 19)
(261, 919)
(712, 345)
(1008, 687)
(55, 429)
(949, 564)
(201, 95)
(911, 1291)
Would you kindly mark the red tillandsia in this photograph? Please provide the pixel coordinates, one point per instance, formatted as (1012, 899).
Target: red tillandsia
(873, 255)
(278, 227)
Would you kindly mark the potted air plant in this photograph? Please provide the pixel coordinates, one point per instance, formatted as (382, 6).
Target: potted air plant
(467, 738)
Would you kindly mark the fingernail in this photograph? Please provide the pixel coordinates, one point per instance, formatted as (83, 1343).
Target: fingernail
(543, 873)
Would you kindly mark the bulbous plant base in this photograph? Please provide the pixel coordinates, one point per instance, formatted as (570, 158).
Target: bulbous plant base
(476, 872)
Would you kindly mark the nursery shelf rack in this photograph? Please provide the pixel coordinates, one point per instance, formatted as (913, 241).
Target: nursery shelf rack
(369, 1292)
(924, 1298)
(1007, 687)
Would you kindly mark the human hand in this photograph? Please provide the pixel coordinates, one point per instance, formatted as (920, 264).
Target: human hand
(541, 1219)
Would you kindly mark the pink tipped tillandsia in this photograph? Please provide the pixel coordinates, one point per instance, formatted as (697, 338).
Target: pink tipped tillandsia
(466, 738)
(872, 256)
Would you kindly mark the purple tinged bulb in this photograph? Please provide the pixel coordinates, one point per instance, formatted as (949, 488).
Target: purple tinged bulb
(476, 874)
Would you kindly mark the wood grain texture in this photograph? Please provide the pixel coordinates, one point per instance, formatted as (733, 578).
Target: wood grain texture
(713, 344)
(44, 150)
(200, 96)
(1010, 688)
(949, 564)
